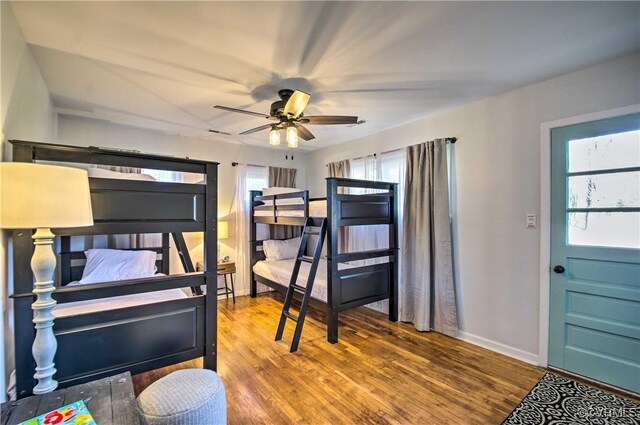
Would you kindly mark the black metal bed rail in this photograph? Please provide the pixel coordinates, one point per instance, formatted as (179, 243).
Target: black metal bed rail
(95, 291)
(362, 184)
(104, 156)
(273, 207)
(365, 255)
(304, 194)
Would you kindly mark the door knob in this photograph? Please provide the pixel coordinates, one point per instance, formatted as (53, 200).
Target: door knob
(558, 269)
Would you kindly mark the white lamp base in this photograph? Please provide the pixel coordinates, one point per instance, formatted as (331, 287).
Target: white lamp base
(43, 265)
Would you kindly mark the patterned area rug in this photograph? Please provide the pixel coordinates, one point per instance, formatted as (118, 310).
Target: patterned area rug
(561, 401)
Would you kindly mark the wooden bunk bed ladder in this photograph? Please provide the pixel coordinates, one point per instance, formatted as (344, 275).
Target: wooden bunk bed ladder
(310, 223)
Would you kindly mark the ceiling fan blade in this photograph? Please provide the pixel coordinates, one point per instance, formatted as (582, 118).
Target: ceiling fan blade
(219, 132)
(241, 111)
(304, 133)
(255, 130)
(296, 103)
(329, 119)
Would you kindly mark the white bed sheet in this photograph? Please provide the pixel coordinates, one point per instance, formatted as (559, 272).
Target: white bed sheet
(104, 304)
(280, 272)
(316, 209)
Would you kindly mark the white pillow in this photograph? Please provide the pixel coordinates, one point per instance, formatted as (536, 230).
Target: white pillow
(108, 265)
(278, 190)
(281, 250)
(101, 173)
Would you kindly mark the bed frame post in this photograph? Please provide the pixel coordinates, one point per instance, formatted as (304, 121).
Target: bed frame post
(65, 260)
(165, 253)
(253, 236)
(211, 267)
(393, 243)
(333, 280)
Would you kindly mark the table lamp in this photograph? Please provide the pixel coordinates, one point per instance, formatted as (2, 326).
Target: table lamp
(41, 197)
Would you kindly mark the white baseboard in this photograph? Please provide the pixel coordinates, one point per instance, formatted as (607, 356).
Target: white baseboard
(507, 350)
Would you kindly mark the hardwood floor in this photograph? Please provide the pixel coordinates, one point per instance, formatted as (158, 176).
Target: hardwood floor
(380, 372)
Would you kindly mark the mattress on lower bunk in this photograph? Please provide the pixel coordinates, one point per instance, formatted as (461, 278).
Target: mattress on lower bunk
(316, 209)
(113, 303)
(280, 272)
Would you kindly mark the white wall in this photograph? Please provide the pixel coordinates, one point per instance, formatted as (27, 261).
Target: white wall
(497, 175)
(88, 132)
(27, 113)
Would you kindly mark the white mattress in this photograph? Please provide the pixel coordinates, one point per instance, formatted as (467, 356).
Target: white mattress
(280, 272)
(113, 303)
(316, 209)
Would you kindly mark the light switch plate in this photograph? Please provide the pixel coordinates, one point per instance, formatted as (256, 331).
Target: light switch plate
(532, 221)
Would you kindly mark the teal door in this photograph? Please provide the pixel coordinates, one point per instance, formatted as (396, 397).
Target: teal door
(594, 323)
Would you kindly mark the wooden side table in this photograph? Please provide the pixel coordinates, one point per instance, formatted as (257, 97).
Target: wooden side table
(110, 401)
(227, 269)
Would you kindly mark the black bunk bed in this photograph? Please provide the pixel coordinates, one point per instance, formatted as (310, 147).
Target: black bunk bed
(346, 287)
(136, 338)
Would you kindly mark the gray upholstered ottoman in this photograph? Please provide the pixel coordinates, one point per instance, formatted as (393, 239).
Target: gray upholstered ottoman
(184, 397)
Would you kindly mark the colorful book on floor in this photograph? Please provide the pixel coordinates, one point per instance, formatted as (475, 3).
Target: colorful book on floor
(72, 414)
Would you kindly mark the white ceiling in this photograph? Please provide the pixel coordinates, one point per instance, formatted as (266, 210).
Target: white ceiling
(163, 65)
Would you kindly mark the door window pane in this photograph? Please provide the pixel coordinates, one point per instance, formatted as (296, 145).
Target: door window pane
(619, 150)
(613, 229)
(605, 190)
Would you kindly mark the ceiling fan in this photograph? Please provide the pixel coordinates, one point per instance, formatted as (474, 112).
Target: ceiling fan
(287, 114)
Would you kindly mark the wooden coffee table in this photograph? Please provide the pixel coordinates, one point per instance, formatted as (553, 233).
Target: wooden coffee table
(111, 401)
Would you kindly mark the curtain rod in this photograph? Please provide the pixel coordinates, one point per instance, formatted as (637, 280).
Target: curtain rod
(233, 164)
(375, 154)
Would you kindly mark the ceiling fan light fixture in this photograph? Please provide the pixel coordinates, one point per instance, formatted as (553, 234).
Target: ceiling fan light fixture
(292, 137)
(274, 136)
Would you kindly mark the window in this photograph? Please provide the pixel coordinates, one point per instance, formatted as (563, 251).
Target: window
(603, 185)
(388, 167)
(257, 178)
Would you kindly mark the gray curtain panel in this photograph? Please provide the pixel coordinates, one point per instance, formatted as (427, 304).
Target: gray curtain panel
(341, 169)
(282, 177)
(428, 290)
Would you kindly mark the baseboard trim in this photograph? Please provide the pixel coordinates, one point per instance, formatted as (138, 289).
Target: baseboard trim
(498, 347)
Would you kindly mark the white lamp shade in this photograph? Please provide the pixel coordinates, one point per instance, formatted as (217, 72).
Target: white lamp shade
(223, 229)
(43, 196)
